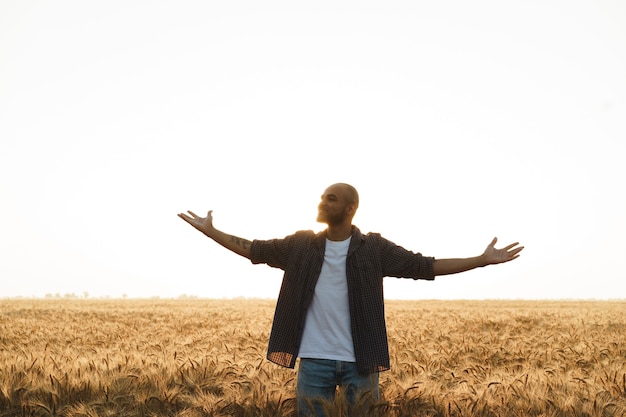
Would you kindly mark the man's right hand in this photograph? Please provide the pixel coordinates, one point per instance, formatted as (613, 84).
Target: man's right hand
(203, 224)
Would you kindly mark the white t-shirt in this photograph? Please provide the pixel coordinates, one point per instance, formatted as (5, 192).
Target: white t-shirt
(327, 331)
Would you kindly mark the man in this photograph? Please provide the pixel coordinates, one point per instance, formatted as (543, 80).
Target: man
(330, 310)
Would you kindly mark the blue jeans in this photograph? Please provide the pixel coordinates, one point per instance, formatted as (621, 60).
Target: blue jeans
(318, 380)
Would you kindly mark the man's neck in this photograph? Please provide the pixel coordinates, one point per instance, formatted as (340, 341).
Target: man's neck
(339, 233)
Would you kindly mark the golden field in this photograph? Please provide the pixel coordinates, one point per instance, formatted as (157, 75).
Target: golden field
(206, 358)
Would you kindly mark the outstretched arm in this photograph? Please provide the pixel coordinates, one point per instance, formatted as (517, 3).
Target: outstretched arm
(205, 225)
(491, 256)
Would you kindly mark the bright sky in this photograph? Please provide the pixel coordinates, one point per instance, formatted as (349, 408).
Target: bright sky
(457, 122)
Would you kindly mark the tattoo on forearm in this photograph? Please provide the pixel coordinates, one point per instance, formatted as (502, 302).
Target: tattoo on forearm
(240, 242)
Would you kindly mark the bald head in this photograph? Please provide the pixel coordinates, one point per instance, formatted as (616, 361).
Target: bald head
(338, 205)
(351, 194)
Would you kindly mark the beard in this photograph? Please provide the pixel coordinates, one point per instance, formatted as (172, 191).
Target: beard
(330, 218)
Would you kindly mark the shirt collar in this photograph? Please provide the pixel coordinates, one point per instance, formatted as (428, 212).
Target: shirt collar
(355, 242)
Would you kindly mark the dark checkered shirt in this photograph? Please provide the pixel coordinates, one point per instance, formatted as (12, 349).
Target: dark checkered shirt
(370, 259)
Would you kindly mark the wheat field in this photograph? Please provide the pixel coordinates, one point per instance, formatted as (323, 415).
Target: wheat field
(206, 358)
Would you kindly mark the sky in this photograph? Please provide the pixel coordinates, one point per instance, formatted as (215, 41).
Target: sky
(456, 121)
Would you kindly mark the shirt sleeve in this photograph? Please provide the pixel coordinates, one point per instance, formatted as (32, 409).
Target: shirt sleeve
(272, 252)
(402, 263)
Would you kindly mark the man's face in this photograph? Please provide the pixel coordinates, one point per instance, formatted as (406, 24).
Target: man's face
(333, 207)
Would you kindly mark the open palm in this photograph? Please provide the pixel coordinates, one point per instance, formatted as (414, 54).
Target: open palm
(203, 224)
(498, 256)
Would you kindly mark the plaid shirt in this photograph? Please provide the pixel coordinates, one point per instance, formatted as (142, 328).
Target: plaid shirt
(370, 258)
